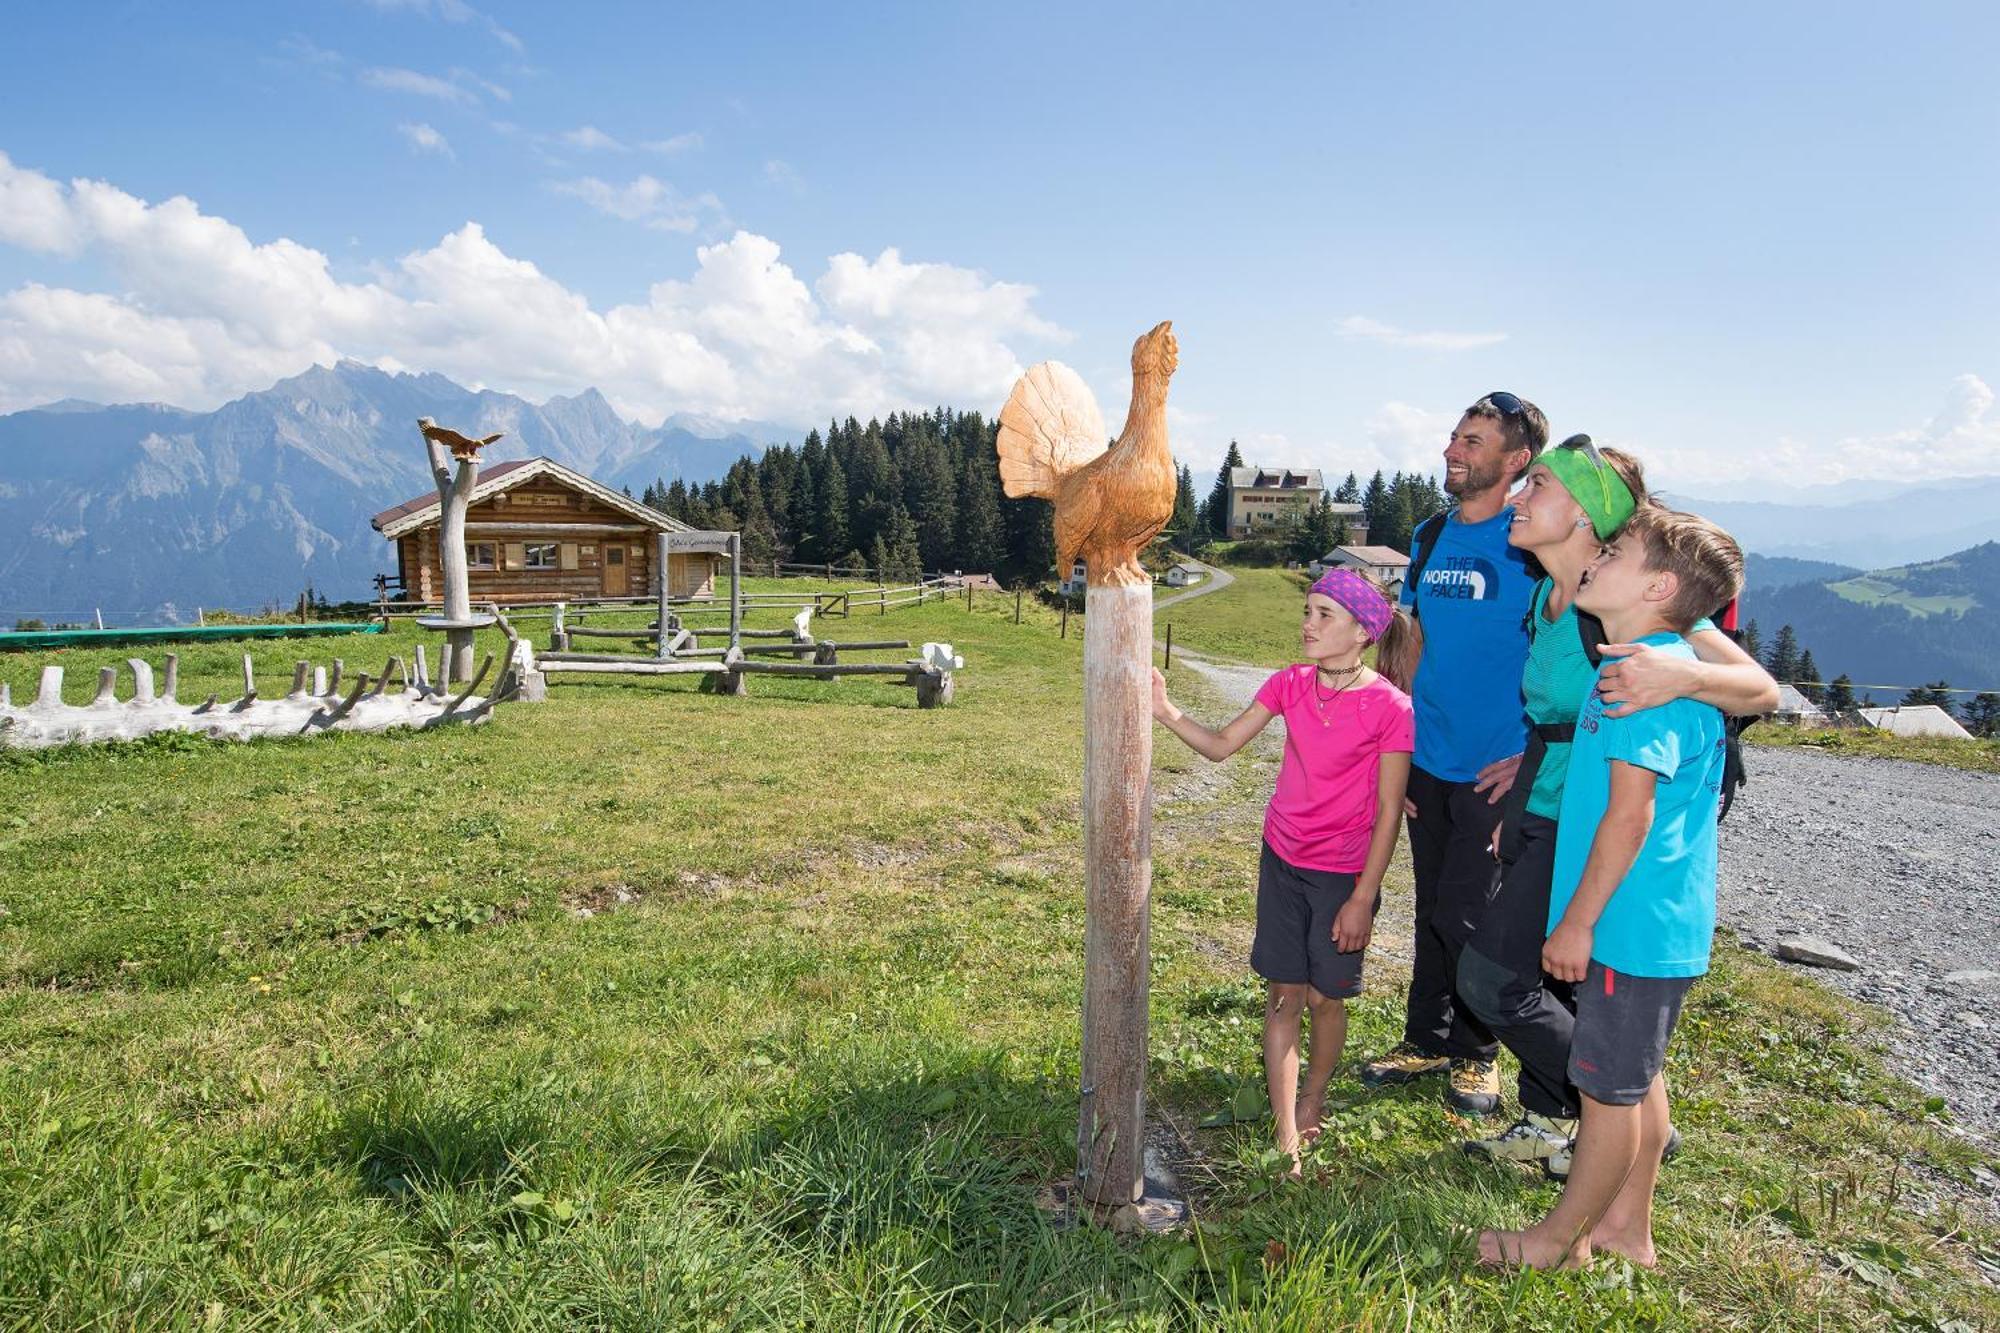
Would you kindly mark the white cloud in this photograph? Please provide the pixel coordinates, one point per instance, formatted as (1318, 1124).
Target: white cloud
(423, 139)
(409, 81)
(646, 200)
(781, 175)
(1961, 439)
(590, 139)
(453, 11)
(198, 313)
(673, 144)
(1374, 330)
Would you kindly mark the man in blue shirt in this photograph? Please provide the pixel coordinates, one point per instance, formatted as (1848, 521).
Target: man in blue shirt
(1470, 599)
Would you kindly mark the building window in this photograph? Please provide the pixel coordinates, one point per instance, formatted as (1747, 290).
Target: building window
(481, 555)
(541, 555)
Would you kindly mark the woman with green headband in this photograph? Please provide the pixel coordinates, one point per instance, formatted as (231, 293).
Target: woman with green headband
(1572, 500)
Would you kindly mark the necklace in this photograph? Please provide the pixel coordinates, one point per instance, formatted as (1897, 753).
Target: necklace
(1322, 701)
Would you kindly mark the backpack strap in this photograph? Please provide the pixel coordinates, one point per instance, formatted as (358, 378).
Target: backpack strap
(1591, 630)
(1427, 535)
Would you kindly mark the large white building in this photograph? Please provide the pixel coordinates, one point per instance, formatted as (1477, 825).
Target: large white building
(1259, 498)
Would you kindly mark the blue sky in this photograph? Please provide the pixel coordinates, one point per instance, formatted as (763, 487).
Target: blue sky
(1754, 242)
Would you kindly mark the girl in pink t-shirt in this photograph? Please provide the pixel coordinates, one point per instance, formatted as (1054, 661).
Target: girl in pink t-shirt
(1329, 830)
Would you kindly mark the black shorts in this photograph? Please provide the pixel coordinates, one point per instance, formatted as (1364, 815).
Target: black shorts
(1622, 1026)
(1294, 943)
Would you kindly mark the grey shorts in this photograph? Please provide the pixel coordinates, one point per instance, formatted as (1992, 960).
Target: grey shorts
(1622, 1026)
(1294, 943)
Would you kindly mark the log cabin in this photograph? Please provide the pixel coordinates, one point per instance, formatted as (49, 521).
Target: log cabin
(537, 531)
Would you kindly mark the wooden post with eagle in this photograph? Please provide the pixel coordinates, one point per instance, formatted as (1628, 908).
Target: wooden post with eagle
(454, 496)
(1109, 502)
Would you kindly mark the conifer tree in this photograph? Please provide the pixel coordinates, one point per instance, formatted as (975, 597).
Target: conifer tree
(1809, 682)
(978, 548)
(1218, 494)
(1783, 659)
(830, 530)
(1839, 694)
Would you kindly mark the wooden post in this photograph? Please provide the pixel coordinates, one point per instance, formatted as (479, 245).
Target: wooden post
(662, 644)
(1017, 604)
(1170, 647)
(968, 595)
(454, 495)
(1118, 858)
(1065, 622)
(736, 594)
(1109, 503)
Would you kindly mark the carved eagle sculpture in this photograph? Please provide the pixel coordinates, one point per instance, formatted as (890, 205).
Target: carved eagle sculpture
(1109, 501)
(462, 448)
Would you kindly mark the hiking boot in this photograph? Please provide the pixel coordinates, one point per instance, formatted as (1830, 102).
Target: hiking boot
(1557, 1166)
(1475, 1087)
(1532, 1138)
(1401, 1064)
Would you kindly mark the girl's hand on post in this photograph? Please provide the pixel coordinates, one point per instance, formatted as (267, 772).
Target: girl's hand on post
(1162, 708)
(1354, 923)
(1641, 676)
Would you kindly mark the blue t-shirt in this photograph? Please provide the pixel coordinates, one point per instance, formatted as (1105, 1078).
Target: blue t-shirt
(1473, 604)
(1661, 919)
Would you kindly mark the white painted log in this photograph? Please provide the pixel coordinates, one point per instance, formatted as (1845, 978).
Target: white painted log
(50, 722)
(319, 689)
(173, 682)
(940, 657)
(1118, 871)
(142, 680)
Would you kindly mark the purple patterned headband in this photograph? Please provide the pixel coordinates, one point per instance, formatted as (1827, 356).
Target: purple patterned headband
(1363, 600)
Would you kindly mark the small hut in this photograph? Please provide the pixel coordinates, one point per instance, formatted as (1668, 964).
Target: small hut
(536, 531)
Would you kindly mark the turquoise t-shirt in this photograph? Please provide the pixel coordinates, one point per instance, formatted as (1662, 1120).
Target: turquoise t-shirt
(1553, 684)
(1661, 920)
(1471, 599)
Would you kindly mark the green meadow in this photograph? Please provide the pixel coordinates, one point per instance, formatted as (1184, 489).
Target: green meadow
(650, 1008)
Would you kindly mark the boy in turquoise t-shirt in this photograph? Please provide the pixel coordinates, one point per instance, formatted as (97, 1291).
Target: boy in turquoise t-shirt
(1632, 904)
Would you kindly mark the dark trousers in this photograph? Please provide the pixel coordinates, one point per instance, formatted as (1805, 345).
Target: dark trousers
(1500, 975)
(1455, 874)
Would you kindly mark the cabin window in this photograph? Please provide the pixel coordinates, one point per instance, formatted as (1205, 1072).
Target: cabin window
(482, 555)
(541, 555)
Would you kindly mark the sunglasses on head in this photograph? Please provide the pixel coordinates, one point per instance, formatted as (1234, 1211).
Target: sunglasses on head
(1583, 444)
(1506, 404)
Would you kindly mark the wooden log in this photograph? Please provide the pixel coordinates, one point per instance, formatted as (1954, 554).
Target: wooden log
(631, 666)
(1118, 874)
(301, 670)
(107, 685)
(319, 682)
(903, 669)
(142, 679)
(466, 693)
(173, 682)
(934, 689)
(422, 678)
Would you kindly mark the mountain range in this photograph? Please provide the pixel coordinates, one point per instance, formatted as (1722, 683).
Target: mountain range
(147, 511)
(1897, 627)
(1862, 525)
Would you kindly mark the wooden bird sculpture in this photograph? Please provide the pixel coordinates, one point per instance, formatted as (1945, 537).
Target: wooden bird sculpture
(1110, 501)
(464, 449)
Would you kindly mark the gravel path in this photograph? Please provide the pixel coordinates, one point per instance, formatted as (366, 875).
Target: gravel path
(1898, 863)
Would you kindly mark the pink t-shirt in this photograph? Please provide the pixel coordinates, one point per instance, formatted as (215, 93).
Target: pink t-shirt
(1323, 812)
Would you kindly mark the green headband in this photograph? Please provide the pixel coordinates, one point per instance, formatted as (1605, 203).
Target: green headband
(1594, 485)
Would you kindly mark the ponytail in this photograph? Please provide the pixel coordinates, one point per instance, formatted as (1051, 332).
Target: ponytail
(1397, 651)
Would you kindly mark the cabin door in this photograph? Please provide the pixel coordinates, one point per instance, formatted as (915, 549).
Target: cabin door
(614, 571)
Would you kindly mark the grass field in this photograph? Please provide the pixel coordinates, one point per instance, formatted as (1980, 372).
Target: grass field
(1980, 756)
(645, 1008)
(1871, 591)
(1254, 620)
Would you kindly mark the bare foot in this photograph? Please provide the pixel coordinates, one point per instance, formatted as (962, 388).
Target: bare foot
(1529, 1249)
(1309, 1113)
(1638, 1249)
